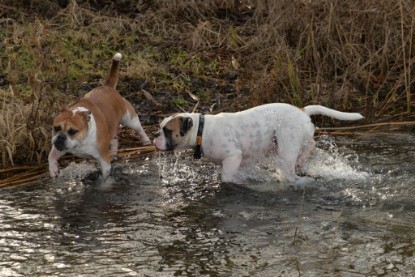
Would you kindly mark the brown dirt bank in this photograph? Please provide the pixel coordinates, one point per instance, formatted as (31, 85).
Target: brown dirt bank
(206, 55)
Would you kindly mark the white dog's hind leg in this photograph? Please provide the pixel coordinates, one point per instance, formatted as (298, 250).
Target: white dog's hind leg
(304, 158)
(288, 157)
(285, 170)
(289, 148)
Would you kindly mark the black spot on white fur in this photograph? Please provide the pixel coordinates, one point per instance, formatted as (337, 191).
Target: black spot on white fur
(186, 125)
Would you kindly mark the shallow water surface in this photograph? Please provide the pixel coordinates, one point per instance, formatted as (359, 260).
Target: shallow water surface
(163, 216)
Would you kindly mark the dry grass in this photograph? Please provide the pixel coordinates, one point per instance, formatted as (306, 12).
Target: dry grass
(343, 52)
(340, 53)
(349, 55)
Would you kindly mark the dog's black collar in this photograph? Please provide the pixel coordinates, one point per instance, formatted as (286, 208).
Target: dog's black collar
(198, 149)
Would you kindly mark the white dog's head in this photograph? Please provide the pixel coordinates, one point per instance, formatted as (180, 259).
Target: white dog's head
(177, 132)
(70, 127)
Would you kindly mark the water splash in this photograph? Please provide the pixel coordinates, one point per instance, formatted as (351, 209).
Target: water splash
(184, 178)
(328, 163)
(181, 172)
(75, 170)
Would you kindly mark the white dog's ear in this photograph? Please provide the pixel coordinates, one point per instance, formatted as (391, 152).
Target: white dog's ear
(186, 124)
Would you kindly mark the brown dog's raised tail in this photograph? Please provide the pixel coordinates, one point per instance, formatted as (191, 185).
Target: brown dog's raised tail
(113, 77)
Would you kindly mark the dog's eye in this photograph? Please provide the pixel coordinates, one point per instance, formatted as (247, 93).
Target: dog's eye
(57, 128)
(167, 132)
(72, 132)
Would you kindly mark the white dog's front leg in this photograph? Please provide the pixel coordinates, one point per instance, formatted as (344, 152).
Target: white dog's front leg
(230, 167)
(53, 158)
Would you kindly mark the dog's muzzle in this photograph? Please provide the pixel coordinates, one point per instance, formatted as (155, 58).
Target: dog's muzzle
(163, 143)
(60, 142)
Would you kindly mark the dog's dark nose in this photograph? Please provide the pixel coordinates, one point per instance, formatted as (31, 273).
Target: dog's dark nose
(60, 142)
(61, 138)
(156, 134)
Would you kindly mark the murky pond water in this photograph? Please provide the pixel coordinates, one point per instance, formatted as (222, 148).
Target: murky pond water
(356, 219)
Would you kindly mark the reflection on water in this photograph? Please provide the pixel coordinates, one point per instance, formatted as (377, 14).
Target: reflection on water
(356, 219)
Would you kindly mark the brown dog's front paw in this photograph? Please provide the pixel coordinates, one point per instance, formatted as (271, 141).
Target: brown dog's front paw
(53, 170)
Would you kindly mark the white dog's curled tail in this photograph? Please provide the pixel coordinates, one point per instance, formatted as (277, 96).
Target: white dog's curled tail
(113, 76)
(317, 109)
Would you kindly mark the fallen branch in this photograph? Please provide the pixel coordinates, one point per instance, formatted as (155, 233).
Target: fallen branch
(30, 174)
(375, 125)
(19, 168)
(23, 181)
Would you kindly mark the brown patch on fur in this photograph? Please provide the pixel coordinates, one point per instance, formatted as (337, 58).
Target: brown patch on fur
(108, 108)
(171, 132)
(178, 131)
(174, 126)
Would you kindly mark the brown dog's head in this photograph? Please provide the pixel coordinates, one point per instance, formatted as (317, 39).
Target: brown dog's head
(70, 128)
(175, 133)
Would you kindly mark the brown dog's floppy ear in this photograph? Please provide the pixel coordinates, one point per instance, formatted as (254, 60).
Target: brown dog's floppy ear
(186, 124)
(87, 116)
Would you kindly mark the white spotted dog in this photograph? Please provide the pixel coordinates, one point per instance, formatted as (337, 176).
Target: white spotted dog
(89, 128)
(239, 140)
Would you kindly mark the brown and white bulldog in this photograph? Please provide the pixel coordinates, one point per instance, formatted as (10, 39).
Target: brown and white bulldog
(89, 127)
(239, 140)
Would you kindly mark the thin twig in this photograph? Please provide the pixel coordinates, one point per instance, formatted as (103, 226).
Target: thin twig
(404, 123)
